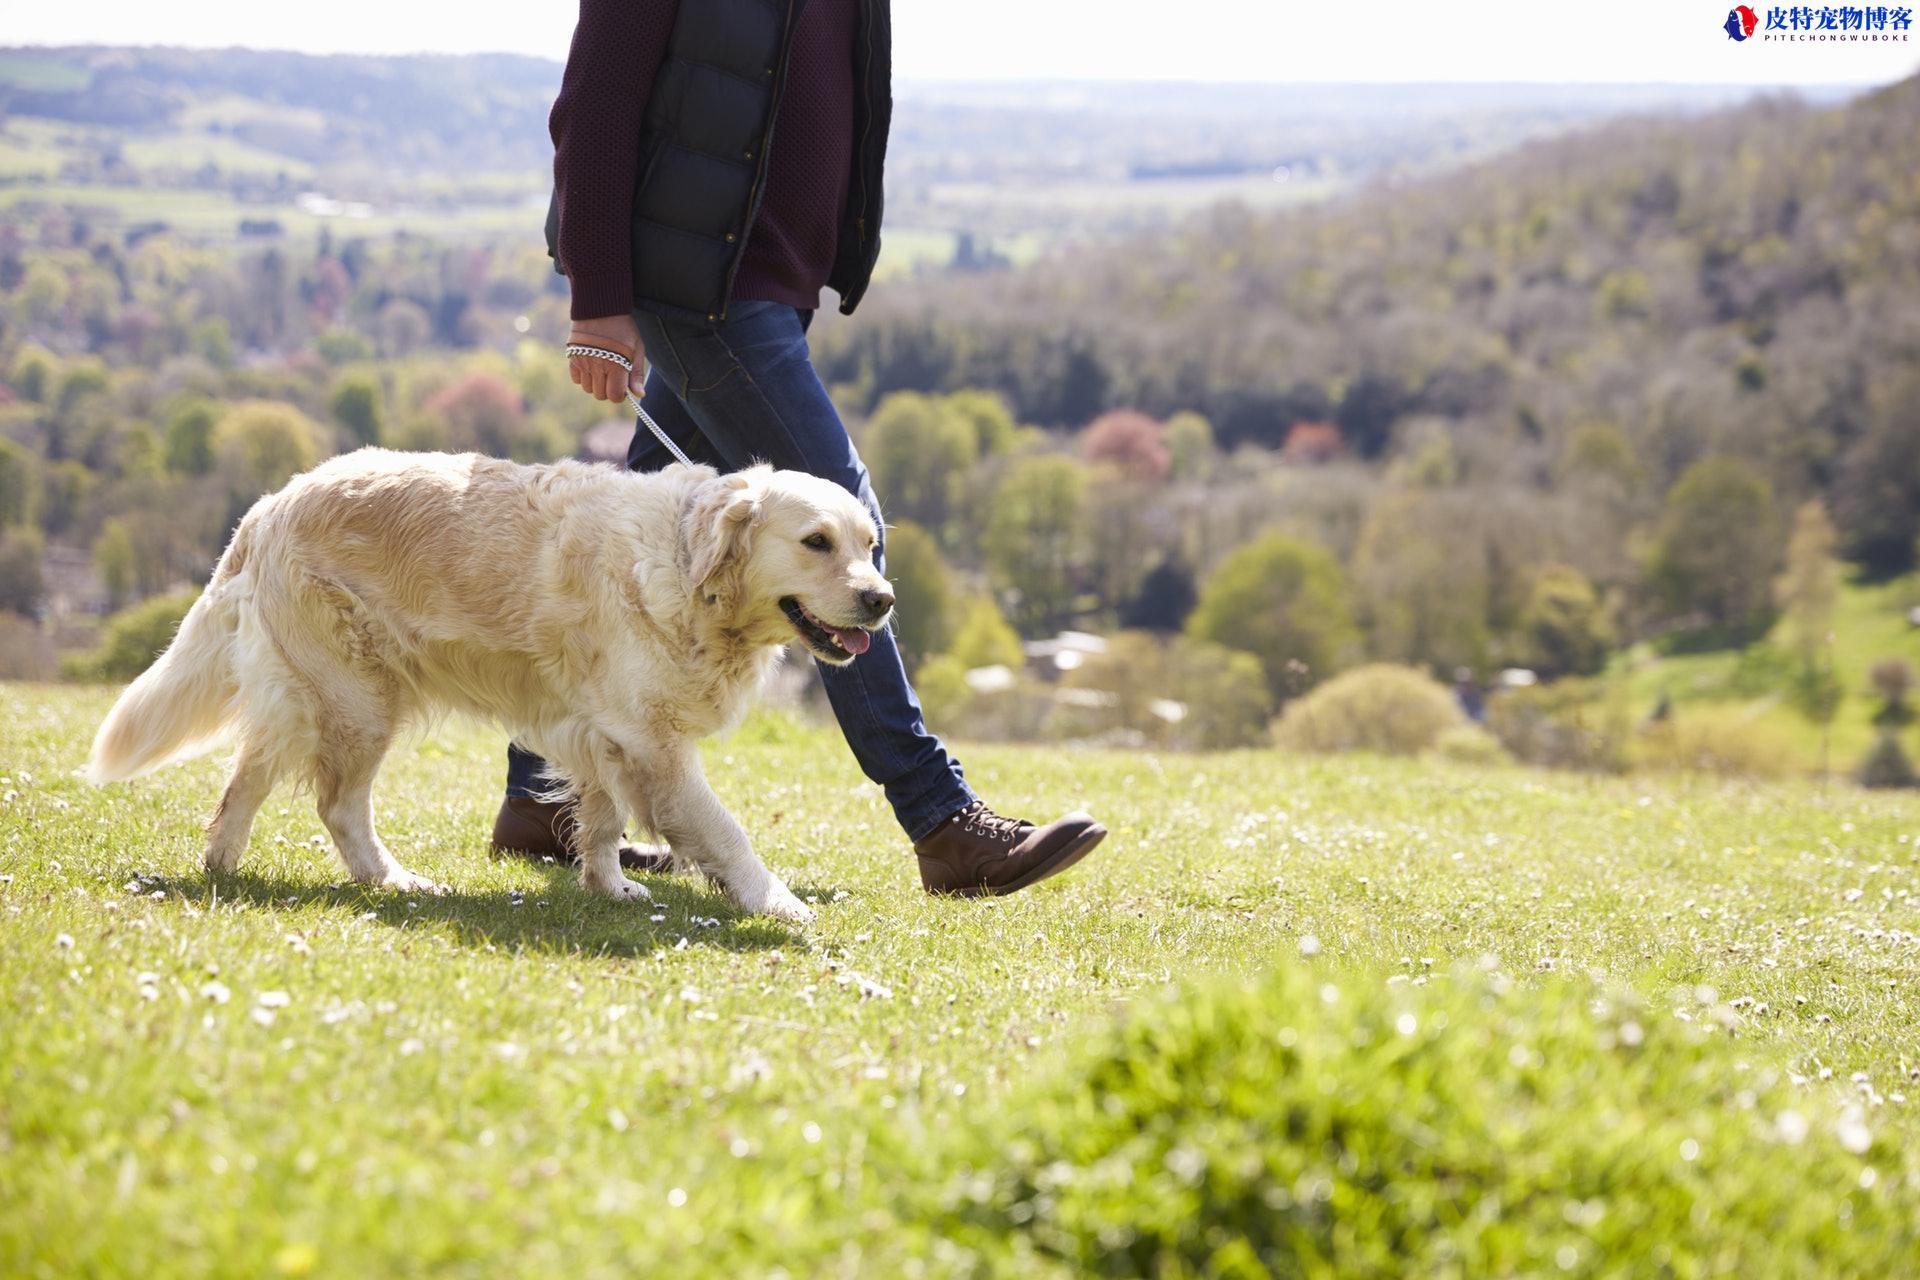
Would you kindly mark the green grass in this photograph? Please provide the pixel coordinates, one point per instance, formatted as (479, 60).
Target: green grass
(213, 214)
(517, 1079)
(182, 150)
(1869, 624)
(37, 148)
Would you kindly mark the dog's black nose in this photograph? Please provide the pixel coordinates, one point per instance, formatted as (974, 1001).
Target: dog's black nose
(878, 602)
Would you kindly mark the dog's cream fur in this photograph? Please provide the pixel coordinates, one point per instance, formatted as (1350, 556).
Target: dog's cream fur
(608, 620)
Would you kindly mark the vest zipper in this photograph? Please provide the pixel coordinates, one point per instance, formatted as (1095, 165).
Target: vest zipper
(866, 118)
(760, 162)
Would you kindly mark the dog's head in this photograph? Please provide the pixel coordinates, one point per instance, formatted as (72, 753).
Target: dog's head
(785, 552)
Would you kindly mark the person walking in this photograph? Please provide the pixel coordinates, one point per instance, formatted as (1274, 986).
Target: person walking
(715, 167)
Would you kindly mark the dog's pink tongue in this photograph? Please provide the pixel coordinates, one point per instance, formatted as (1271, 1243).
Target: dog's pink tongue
(852, 639)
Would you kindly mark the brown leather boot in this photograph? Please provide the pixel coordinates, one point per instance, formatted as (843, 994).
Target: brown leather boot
(534, 829)
(977, 853)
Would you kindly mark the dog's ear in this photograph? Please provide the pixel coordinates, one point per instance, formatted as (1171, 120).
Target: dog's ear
(718, 525)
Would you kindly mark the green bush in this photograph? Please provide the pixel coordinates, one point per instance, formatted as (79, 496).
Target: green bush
(1719, 739)
(1887, 765)
(132, 639)
(941, 683)
(982, 637)
(1378, 707)
(1301, 1128)
(1569, 724)
(1179, 693)
(1470, 744)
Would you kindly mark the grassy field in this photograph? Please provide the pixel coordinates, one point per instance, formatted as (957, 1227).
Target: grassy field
(1869, 624)
(1342, 1016)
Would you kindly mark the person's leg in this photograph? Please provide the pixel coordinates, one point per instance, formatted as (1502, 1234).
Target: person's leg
(645, 453)
(750, 387)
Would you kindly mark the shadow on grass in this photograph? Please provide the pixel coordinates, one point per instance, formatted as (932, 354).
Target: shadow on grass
(561, 918)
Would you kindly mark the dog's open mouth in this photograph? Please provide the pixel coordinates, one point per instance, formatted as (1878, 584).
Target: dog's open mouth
(830, 642)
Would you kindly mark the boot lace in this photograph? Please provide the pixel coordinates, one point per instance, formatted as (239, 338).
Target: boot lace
(977, 817)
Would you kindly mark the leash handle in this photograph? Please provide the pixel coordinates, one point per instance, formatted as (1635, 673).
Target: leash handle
(633, 401)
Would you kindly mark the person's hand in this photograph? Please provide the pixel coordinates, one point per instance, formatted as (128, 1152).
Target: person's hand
(604, 379)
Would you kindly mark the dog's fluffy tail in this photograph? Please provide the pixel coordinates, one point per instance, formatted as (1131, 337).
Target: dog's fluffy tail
(179, 703)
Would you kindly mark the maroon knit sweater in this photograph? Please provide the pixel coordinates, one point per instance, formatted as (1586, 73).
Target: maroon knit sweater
(618, 46)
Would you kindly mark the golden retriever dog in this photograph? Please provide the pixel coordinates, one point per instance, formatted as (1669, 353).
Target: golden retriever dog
(606, 619)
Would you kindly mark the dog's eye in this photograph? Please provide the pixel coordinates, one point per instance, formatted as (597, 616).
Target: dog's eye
(818, 541)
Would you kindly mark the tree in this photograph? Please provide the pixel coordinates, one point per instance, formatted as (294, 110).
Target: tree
(1284, 601)
(1565, 629)
(1808, 590)
(81, 380)
(1121, 529)
(923, 592)
(33, 372)
(1420, 570)
(1032, 543)
(402, 327)
(19, 480)
(1190, 448)
(1716, 549)
(1313, 444)
(1886, 764)
(1368, 410)
(189, 437)
(984, 638)
(113, 557)
(1224, 693)
(213, 340)
(919, 451)
(986, 413)
(484, 413)
(1164, 599)
(1131, 441)
(266, 442)
(21, 585)
(1877, 491)
(64, 491)
(356, 405)
(1892, 680)
(1600, 452)
(1806, 594)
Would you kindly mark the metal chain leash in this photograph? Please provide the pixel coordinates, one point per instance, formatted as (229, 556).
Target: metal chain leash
(633, 401)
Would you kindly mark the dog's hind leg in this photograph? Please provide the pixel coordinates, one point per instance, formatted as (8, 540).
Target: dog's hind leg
(598, 835)
(343, 787)
(586, 767)
(255, 770)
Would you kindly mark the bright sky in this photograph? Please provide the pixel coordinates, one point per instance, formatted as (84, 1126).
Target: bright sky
(1292, 41)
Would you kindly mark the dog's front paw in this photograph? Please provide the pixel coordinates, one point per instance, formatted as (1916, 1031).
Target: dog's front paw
(777, 900)
(406, 881)
(791, 909)
(621, 889)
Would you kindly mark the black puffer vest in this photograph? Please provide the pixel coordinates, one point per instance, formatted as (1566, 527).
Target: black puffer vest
(703, 154)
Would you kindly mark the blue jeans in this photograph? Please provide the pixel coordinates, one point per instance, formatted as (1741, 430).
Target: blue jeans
(744, 392)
